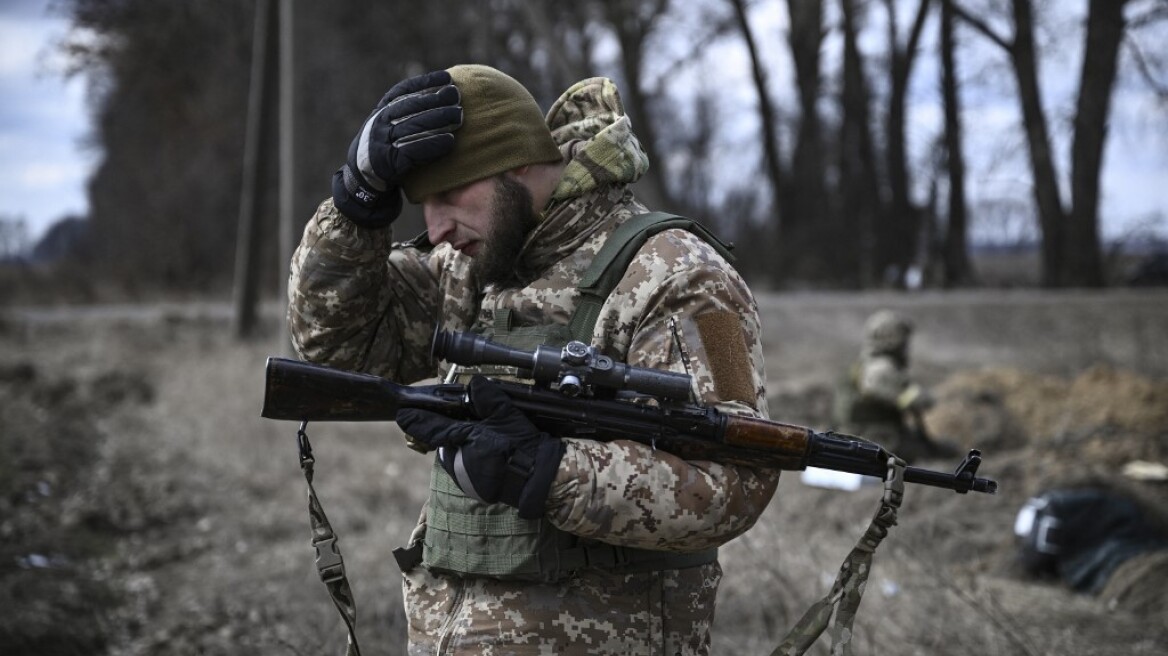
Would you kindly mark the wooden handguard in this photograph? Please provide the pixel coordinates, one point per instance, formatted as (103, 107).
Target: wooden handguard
(781, 445)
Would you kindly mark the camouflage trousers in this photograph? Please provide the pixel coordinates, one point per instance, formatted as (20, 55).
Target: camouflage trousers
(595, 612)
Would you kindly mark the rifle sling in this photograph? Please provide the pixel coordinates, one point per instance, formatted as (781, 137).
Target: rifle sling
(329, 564)
(841, 603)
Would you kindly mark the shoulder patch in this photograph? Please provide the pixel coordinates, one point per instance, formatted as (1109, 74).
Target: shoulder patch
(729, 360)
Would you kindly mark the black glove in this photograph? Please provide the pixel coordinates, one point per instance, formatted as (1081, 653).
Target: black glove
(412, 124)
(501, 458)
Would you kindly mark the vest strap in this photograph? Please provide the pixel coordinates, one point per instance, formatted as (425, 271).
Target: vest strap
(609, 265)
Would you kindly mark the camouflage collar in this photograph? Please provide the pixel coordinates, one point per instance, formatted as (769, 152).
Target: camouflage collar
(567, 226)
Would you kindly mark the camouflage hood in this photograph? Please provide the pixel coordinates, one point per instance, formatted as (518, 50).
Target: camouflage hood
(589, 124)
(603, 156)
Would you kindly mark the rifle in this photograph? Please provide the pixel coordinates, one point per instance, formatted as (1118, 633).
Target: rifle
(580, 393)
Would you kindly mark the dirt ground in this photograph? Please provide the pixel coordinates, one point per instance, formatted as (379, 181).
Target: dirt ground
(146, 508)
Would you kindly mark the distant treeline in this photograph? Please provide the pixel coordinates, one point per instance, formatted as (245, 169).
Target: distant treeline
(833, 198)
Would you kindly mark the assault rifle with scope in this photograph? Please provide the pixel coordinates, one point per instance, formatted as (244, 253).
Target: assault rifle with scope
(580, 393)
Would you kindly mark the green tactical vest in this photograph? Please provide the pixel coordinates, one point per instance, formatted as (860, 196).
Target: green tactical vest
(471, 538)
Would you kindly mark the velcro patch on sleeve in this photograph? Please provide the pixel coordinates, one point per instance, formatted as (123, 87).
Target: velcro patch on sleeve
(728, 359)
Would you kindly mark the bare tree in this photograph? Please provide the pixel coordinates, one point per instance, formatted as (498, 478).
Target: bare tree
(1105, 25)
(861, 191)
(1149, 66)
(769, 120)
(1070, 240)
(806, 194)
(956, 266)
(897, 235)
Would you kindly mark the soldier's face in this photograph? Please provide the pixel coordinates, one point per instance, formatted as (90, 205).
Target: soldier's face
(461, 216)
(487, 220)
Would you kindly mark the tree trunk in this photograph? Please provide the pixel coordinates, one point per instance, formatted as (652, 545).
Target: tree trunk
(860, 189)
(769, 120)
(1105, 25)
(806, 196)
(259, 148)
(1052, 216)
(956, 267)
(896, 238)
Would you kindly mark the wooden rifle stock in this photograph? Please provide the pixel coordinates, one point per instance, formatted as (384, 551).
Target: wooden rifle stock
(303, 391)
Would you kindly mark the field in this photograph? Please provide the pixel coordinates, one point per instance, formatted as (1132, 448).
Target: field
(148, 509)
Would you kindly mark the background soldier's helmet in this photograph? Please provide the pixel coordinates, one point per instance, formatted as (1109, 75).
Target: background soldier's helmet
(886, 332)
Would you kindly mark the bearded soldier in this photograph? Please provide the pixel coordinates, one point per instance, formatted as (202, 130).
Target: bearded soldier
(532, 543)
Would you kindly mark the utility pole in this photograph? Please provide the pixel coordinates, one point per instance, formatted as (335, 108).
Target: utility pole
(258, 146)
(270, 137)
(287, 155)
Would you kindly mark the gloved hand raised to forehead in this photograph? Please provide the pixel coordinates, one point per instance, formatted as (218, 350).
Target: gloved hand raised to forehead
(412, 124)
(502, 457)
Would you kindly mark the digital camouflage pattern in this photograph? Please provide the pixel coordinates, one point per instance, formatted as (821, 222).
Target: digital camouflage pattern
(595, 612)
(359, 301)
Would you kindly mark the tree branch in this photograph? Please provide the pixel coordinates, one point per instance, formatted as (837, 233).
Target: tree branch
(1149, 17)
(1145, 69)
(918, 26)
(980, 26)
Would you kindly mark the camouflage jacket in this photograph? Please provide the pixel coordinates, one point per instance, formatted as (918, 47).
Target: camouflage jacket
(361, 302)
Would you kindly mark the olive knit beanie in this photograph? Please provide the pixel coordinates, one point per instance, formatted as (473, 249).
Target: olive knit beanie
(502, 128)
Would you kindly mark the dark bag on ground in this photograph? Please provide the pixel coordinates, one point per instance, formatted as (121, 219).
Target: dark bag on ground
(1082, 535)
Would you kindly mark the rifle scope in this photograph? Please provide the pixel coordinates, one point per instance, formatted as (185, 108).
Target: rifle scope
(573, 368)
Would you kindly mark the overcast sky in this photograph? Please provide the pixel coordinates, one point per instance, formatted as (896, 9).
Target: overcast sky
(43, 121)
(44, 163)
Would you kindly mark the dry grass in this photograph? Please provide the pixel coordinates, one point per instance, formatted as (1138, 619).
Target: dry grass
(174, 518)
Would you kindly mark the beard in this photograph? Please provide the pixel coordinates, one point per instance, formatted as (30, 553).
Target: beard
(512, 218)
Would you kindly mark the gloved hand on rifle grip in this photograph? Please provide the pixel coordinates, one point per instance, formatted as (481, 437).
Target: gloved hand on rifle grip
(501, 457)
(412, 124)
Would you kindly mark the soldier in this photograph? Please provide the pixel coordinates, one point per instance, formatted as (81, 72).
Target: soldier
(530, 543)
(877, 400)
